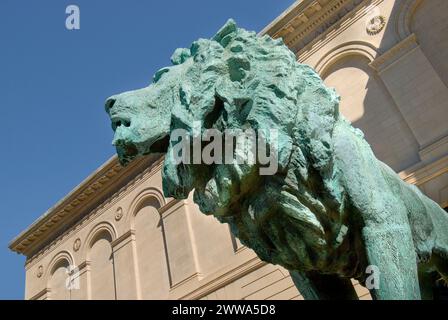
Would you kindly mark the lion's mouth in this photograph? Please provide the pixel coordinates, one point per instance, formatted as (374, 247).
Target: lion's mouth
(128, 151)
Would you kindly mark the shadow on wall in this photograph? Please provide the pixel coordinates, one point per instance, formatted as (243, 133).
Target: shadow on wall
(367, 102)
(369, 106)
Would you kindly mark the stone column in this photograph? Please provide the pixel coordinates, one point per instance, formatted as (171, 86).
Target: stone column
(80, 289)
(418, 91)
(180, 244)
(126, 277)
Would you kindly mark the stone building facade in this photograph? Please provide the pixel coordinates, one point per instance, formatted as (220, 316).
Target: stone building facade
(116, 236)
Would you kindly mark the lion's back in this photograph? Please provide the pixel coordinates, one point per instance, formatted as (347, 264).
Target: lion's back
(427, 220)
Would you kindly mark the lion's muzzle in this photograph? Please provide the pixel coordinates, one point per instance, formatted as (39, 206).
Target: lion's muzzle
(137, 135)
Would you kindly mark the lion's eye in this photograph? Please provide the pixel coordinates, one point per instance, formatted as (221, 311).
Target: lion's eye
(159, 74)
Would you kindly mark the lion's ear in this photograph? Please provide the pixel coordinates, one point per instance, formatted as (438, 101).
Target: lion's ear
(180, 55)
(225, 33)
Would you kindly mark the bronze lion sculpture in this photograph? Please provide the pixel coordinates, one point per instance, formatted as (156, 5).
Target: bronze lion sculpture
(330, 213)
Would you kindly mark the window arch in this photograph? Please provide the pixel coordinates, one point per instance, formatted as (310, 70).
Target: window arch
(152, 260)
(102, 268)
(58, 276)
(366, 102)
(152, 193)
(337, 53)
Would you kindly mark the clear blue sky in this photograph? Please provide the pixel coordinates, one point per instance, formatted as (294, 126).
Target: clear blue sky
(53, 83)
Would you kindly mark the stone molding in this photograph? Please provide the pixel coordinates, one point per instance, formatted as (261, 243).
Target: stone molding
(362, 48)
(61, 256)
(132, 176)
(345, 21)
(305, 31)
(59, 214)
(404, 16)
(420, 173)
(305, 20)
(145, 194)
(395, 53)
(73, 200)
(44, 293)
(97, 229)
(123, 240)
(434, 150)
(84, 266)
(222, 277)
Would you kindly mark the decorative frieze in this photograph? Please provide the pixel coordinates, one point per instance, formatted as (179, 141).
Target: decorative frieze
(43, 229)
(309, 19)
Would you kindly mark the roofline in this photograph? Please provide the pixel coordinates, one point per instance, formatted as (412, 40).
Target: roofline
(76, 201)
(305, 22)
(39, 221)
(284, 17)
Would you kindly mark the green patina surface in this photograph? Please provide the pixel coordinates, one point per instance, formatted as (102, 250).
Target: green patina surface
(329, 212)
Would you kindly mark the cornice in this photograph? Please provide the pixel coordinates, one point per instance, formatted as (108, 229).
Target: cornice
(305, 20)
(94, 190)
(275, 26)
(109, 200)
(346, 18)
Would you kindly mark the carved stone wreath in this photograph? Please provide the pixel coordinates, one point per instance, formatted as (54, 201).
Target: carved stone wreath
(118, 214)
(77, 244)
(40, 271)
(375, 25)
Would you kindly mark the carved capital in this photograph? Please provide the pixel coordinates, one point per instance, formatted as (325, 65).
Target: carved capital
(395, 53)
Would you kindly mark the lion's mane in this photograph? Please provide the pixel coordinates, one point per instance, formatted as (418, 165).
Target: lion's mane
(295, 218)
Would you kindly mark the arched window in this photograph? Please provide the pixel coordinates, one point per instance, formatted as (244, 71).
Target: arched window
(58, 281)
(151, 252)
(102, 279)
(368, 105)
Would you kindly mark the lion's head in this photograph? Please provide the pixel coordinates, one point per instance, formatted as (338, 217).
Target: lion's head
(240, 80)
